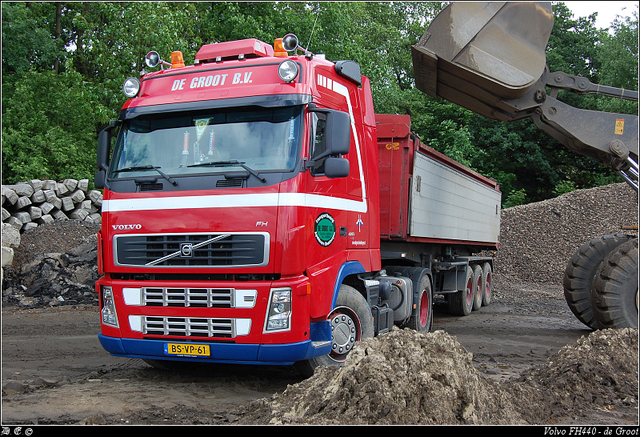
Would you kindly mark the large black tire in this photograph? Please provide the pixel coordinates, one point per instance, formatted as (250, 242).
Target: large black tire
(580, 272)
(615, 291)
(421, 318)
(351, 321)
(461, 302)
(477, 287)
(487, 283)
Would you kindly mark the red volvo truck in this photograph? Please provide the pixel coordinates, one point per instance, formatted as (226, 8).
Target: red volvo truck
(256, 210)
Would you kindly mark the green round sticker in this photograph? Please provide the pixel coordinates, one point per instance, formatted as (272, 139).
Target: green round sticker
(325, 229)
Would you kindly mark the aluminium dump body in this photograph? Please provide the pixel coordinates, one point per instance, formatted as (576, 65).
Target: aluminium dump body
(427, 197)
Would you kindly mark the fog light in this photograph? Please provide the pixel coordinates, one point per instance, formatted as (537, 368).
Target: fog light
(279, 311)
(109, 315)
(288, 70)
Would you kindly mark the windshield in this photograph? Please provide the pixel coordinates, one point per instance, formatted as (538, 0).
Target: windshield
(177, 144)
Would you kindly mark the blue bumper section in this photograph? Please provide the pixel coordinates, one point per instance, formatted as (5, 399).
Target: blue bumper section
(271, 354)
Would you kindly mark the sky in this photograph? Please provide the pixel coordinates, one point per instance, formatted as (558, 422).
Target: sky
(606, 10)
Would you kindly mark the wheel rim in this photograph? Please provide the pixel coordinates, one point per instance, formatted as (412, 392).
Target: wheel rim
(424, 308)
(488, 286)
(470, 292)
(345, 331)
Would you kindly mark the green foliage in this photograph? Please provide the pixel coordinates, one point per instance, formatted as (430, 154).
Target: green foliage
(49, 128)
(564, 187)
(516, 198)
(63, 66)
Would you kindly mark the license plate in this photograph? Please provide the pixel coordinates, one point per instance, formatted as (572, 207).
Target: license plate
(187, 350)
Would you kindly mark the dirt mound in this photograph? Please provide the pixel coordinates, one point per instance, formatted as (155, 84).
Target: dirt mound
(55, 264)
(599, 371)
(537, 239)
(405, 377)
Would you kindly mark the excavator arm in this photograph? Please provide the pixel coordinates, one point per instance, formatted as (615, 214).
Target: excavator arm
(490, 58)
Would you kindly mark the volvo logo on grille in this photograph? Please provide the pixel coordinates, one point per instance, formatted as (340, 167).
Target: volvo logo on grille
(186, 250)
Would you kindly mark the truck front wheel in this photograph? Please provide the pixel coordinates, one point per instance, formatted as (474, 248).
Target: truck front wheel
(350, 321)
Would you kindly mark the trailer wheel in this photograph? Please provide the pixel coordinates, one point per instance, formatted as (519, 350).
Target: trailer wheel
(477, 287)
(580, 272)
(461, 302)
(487, 283)
(422, 318)
(615, 291)
(350, 321)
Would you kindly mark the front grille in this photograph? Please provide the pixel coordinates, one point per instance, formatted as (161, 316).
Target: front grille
(192, 250)
(188, 326)
(198, 297)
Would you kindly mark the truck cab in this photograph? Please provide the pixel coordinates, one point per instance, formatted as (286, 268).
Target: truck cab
(239, 193)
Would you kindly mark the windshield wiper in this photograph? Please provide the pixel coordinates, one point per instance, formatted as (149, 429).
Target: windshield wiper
(148, 167)
(230, 162)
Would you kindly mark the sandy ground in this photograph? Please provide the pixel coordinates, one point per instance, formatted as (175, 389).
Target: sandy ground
(54, 370)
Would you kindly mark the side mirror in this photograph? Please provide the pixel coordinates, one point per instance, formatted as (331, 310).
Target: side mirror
(338, 133)
(104, 144)
(336, 167)
(100, 178)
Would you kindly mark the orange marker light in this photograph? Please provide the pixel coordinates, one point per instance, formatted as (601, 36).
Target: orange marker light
(278, 50)
(176, 59)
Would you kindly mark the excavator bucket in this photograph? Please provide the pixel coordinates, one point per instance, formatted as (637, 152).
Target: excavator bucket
(479, 55)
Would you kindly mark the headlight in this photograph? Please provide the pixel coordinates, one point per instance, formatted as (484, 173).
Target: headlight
(288, 70)
(279, 311)
(108, 311)
(131, 87)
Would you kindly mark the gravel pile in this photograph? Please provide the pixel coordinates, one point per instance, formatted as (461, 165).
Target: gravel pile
(537, 239)
(409, 378)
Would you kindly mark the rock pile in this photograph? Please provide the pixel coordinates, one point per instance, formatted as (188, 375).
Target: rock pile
(55, 264)
(538, 239)
(26, 205)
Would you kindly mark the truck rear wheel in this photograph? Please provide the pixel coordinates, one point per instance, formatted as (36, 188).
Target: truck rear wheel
(461, 302)
(487, 283)
(615, 291)
(350, 321)
(422, 317)
(580, 272)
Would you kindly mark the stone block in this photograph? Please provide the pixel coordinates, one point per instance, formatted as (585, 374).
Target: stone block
(38, 197)
(35, 212)
(23, 189)
(78, 196)
(23, 202)
(10, 195)
(67, 204)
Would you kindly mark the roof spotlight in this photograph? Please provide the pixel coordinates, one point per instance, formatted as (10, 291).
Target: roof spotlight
(288, 70)
(131, 87)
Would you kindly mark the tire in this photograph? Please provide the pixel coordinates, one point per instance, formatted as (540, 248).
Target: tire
(477, 287)
(351, 321)
(421, 318)
(580, 272)
(487, 283)
(615, 291)
(461, 302)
